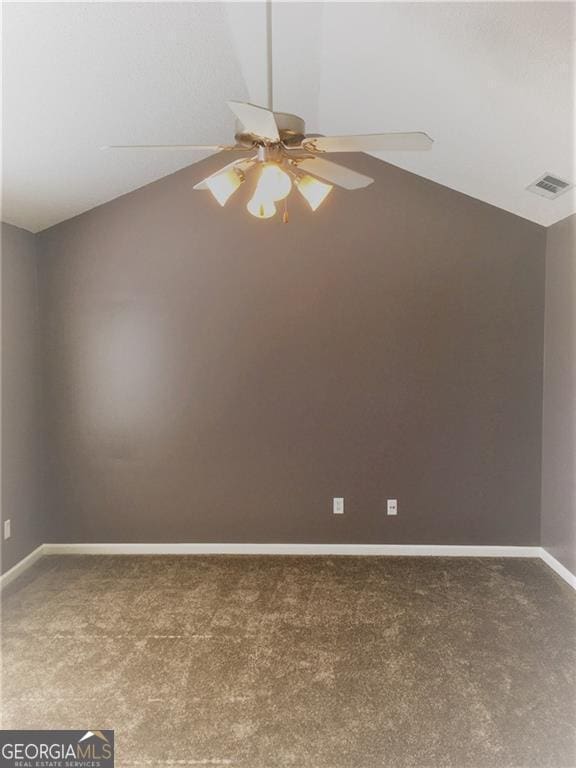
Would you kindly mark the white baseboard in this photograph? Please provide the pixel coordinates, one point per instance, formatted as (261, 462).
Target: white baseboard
(560, 569)
(387, 550)
(378, 550)
(22, 566)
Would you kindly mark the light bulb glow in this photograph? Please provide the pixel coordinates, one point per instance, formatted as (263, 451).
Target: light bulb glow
(223, 185)
(273, 184)
(262, 209)
(313, 190)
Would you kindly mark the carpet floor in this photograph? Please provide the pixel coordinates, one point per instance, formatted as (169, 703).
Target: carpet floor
(314, 662)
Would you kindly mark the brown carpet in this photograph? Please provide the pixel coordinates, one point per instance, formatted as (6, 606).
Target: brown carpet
(316, 662)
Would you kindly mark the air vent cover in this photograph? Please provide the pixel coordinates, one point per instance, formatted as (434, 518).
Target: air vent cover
(549, 186)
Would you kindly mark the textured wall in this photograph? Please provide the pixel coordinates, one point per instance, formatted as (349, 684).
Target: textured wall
(22, 497)
(559, 418)
(217, 378)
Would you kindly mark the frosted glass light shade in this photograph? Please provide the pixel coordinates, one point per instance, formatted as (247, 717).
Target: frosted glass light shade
(262, 209)
(274, 183)
(313, 190)
(223, 185)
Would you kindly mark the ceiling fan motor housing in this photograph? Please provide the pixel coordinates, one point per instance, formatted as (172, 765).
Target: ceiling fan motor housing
(291, 128)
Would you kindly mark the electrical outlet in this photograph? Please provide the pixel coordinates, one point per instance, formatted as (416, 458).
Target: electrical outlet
(338, 506)
(7, 529)
(392, 508)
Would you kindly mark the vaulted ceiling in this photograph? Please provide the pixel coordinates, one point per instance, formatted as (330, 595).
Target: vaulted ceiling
(492, 83)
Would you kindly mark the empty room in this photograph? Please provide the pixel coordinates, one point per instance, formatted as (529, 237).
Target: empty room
(288, 391)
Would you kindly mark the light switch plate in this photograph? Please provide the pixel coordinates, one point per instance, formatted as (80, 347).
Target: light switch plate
(392, 508)
(7, 529)
(338, 506)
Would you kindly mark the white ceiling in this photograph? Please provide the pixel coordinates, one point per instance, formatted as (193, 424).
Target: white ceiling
(492, 83)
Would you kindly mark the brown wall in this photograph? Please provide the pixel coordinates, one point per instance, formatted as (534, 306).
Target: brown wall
(217, 378)
(22, 497)
(559, 418)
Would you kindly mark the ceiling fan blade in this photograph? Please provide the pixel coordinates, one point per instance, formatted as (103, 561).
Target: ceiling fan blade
(334, 173)
(241, 165)
(195, 147)
(374, 142)
(256, 120)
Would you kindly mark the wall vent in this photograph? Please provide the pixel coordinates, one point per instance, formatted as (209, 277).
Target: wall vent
(549, 186)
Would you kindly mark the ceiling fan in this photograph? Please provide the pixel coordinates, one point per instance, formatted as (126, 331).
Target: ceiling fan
(284, 156)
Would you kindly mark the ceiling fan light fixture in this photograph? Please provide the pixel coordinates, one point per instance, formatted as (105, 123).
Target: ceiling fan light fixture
(285, 153)
(223, 185)
(313, 190)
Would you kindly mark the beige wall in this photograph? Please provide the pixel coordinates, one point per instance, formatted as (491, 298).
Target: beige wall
(212, 377)
(22, 468)
(559, 417)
